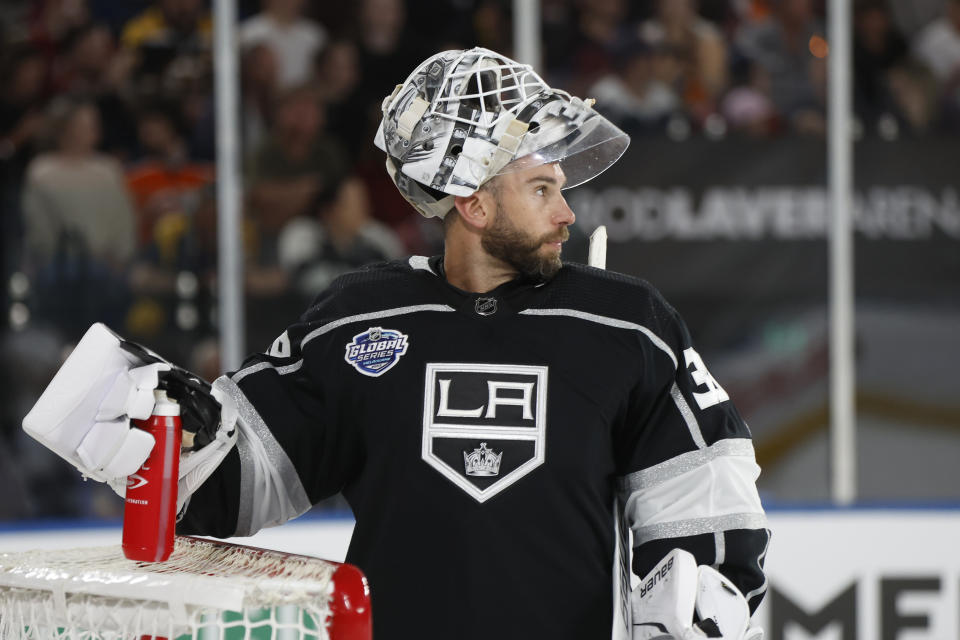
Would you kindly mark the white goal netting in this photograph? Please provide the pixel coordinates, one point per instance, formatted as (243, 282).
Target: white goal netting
(206, 590)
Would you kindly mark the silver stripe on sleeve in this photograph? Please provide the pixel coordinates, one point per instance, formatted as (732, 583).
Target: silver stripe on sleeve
(610, 322)
(688, 416)
(247, 479)
(243, 373)
(678, 465)
(720, 556)
(330, 326)
(373, 315)
(289, 368)
(270, 489)
(698, 526)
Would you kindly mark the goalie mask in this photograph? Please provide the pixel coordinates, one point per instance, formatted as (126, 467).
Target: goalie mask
(463, 117)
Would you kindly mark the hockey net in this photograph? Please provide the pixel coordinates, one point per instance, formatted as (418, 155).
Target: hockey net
(207, 590)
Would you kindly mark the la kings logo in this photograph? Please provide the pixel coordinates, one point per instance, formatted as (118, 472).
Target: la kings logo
(484, 425)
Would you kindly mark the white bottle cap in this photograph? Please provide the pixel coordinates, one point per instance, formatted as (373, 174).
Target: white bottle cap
(164, 406)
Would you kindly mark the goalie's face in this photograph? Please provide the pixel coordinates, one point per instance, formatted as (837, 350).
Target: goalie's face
(529, 220)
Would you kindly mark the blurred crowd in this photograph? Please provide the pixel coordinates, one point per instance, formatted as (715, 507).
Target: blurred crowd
(107, 146)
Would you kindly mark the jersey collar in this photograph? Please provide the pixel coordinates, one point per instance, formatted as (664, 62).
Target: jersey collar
(505, 300)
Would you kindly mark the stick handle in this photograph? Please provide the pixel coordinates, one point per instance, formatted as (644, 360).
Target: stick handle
(597, 255)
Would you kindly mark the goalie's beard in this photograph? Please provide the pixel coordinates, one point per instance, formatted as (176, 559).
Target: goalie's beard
(511, 244)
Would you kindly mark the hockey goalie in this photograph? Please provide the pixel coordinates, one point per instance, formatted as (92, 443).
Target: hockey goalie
(500, 421)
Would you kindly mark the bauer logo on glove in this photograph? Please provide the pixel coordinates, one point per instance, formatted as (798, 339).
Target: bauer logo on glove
(678, 600)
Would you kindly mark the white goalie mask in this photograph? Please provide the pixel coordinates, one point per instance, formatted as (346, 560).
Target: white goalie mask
(463, 117)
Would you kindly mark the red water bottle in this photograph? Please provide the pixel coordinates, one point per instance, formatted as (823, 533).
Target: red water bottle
(150, 513)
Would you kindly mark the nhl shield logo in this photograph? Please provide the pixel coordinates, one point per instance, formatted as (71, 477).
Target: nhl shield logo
(376, 350)
(485, 306)
(484, 425)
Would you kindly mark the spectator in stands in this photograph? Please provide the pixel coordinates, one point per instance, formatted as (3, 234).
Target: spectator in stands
(415, 232)
(165, 182)
(85, 66)
(168, 32)
(171, 40)
(584, 49)
(168, 189)
(481, 23)
(750, 12)
(258, 95)
(632, 95)
(877, 47)
(51, 21)
(937, 45)
(887, 83)
(700, 49)
(387, 49)
(294, 39)
(557, 18)
(172, 43)
(338, 81)
(79, 224)
(21, 120)
(336, 236)
(492, 27)
(196, 111)
(94, 67)
(790, 45)
(747, 107)
(298, 163)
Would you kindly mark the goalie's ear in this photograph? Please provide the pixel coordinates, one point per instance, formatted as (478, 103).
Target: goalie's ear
(477, 209)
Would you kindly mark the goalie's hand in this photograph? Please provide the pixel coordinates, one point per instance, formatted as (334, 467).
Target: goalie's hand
(199, 409)
(679, 600)
(207, 416)
(84, 413)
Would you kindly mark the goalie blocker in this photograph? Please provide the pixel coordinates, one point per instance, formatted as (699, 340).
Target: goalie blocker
(84, 413)
(679, 600)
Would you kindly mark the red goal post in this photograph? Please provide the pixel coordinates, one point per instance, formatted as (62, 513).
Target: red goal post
(207, 590)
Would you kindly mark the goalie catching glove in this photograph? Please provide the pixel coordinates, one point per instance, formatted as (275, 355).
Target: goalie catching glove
(84, 414)
(678, 600)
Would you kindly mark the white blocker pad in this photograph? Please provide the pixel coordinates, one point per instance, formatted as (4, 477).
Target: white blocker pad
(664, 604)
(719, 600)
(84, 413)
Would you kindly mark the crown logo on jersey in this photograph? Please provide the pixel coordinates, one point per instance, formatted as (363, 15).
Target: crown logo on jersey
(482, 461)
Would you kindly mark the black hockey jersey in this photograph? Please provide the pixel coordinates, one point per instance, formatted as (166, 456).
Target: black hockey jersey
(493, 448)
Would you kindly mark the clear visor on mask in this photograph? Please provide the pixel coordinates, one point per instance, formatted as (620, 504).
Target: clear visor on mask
(584, 147)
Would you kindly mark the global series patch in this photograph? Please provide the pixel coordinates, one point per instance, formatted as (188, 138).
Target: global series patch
(376, 350)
